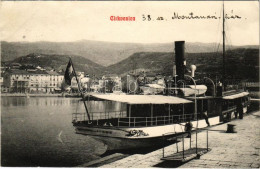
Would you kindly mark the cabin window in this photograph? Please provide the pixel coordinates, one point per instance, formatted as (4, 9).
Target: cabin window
(139, 110)
(161, 110)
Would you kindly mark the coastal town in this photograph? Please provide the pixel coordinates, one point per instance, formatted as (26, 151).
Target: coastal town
(19, 78)
(138, 85)
(33, 79)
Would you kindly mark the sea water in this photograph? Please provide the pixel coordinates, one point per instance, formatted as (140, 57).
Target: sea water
(38, 131)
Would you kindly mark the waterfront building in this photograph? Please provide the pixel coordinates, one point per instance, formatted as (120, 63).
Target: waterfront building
(32, 81)
(111, 82)
(74, 84)
(55, 80)
(100, 86)
(17, 81)
(85, 83)
(94, 87)
(3, 89)
(39, 81)
(147, 77)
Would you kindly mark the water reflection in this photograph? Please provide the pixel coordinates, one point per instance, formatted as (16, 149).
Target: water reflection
(36, 101)
(38, 132)
(53, 101)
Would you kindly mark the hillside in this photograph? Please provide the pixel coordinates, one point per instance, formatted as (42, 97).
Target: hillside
(103, 53)
(59, 62)
(241, 63)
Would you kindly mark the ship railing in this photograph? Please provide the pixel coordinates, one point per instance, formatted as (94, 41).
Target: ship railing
(108, 115)
(251, 84)
(98, 115)
(153, 121)
(123, 120)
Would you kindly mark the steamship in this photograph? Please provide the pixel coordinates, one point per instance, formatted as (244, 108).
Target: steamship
(146, 120)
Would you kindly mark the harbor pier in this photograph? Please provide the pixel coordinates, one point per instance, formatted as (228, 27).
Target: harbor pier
(227, 150)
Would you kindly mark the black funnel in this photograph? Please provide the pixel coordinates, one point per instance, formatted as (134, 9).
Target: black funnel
(180, 60)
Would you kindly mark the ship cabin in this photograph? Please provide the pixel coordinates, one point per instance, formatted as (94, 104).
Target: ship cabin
(226, 107)
(234, 104)
(140, 111)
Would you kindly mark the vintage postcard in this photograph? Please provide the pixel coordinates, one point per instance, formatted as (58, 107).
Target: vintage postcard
(130, 84)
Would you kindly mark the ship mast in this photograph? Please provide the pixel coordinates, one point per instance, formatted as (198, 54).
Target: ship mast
(81, 93)
(224, 57)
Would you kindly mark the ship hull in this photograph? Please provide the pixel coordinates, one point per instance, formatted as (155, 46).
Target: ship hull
(123, 138)
(139, 137)
(121, 144)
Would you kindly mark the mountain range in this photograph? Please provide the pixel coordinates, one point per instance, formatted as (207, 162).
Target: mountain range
(100, 52)
(240, 63)
(59, 62)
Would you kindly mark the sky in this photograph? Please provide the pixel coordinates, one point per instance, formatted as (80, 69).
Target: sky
(80, 20)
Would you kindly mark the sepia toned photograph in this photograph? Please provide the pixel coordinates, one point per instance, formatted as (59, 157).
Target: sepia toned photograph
(130, 84)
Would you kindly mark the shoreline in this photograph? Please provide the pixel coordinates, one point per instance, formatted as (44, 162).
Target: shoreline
(29, 95)
(254, 97)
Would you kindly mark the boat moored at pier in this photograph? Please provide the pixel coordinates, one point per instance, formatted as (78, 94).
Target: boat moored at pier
(146, 119)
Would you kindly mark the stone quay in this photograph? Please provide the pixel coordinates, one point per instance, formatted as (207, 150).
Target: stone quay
(227, 150)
